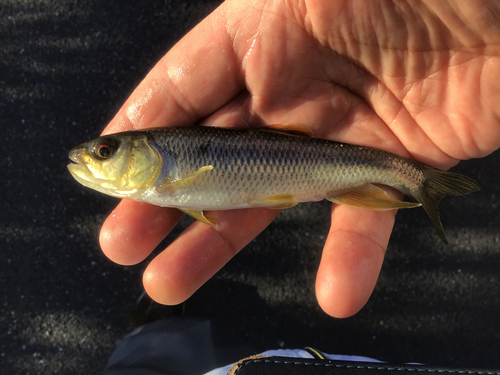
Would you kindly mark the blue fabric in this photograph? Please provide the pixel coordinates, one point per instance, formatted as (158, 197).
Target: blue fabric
(178, 345)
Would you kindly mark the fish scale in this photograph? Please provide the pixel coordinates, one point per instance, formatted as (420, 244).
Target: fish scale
(307, 168)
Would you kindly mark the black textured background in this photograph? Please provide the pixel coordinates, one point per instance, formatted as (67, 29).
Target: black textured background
(65, 69)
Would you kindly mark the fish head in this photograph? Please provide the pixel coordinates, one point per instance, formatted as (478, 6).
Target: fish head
(121, 165)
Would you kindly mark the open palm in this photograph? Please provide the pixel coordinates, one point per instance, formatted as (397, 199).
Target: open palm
(415, 79)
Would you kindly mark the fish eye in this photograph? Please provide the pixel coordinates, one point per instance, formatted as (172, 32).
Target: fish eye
(104, 148)
(103, 151)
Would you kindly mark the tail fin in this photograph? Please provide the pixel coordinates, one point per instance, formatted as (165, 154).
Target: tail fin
(437, 184)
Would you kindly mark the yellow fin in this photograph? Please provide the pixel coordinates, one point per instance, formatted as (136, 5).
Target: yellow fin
(169, 187)
(371, 197)
(279, 201)
(198, 215)
(288, 129)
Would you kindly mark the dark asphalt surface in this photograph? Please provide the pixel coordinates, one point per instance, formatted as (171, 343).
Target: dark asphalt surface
(66, 67)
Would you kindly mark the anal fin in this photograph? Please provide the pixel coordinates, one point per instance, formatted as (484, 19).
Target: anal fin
(370, 197)
(198, 215)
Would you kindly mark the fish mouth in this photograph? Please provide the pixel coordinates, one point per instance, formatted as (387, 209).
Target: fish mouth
(74, 155)
(79, 172)
(78, 169)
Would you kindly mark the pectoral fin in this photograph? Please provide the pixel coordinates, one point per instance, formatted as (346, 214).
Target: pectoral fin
(371, 197)
(198, 215)
(276, 201)
(169, 186)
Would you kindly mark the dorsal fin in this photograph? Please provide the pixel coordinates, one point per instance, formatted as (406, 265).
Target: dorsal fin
(288, 129)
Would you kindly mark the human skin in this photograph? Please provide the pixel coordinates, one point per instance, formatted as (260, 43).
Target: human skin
(417, 78)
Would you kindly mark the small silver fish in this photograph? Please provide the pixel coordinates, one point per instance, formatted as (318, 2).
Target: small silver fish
(206, 168)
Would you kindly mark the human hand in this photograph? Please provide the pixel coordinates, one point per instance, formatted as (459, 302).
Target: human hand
(415, 78)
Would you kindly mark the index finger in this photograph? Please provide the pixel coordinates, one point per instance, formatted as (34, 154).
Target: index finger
(196, 77)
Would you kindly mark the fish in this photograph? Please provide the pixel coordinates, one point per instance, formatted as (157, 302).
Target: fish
(201, 168)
